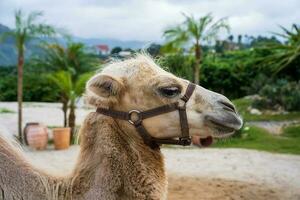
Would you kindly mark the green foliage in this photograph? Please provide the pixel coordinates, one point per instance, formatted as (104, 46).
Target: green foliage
(154, 49)
(280, 93)
(116, 50)
(75, 58)
(36, 85)
(8, 84)
(27, 28)
(260, 139)
(292, 131)
(178, 64)
(71, 90)
(230, 73)
(243, 104)
(284, 56)
(258, 82)
(5, 110)
(194, 30)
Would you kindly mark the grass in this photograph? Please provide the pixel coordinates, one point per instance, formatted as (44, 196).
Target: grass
(5, 110)
(292, 131)
(243, 104)
(259, 139)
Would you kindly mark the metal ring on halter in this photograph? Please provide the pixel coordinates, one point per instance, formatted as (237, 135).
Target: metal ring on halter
(137, 112)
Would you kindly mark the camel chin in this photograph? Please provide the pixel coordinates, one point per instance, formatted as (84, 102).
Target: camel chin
(221, 126)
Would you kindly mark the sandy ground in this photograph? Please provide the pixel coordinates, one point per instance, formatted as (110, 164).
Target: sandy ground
(193, 173)
(49, 114)
(195, 188)
(208, 173)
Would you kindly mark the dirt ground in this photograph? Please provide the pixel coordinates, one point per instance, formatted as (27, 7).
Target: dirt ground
(195, 188)
(217, 174)
(207, 174)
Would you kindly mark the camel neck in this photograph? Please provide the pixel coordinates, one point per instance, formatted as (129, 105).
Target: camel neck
(115, 164)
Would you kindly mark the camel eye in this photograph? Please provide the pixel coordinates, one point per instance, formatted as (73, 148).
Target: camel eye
(169, 92)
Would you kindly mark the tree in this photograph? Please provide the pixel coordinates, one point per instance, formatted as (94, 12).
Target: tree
(284, 55)
(74, 60)
(26, 29)
(70, 90)
(154, 49)
(231, 38)
(116, 50)
(192, 33)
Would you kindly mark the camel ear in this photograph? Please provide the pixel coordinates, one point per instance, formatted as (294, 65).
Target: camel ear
(104, 86)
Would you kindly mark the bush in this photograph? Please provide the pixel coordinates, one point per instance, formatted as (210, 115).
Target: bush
(36, 86)
(220, 73)
(279, 94)
(258, 82)
(179, 65)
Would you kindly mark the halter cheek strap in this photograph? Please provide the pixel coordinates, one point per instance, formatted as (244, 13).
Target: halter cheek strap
(137, 121)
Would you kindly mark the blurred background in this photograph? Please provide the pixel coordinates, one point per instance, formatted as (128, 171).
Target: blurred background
(247, 50)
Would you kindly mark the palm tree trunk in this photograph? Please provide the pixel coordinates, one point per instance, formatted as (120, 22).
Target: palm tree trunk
(65, 110)
(20, 92)
(197, 63)
(72, 119)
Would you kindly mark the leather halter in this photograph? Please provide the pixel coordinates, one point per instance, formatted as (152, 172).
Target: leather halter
(152, 142)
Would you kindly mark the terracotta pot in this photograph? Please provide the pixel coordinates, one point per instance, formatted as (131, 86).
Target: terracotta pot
(36, 136)
(61, 137)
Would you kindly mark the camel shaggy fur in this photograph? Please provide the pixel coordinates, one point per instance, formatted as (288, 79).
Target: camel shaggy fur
(114, 163)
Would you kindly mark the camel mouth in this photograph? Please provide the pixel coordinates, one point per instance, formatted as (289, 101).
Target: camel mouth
(224, 127)
(202, 141)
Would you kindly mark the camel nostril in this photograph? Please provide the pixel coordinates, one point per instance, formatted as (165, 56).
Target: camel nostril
(228, 106)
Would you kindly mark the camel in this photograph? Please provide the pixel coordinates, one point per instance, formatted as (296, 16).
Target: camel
(114, 161)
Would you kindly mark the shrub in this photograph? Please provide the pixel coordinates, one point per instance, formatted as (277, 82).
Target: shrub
(36, 86)
(279, 94)
(258, 82)
(179, 64)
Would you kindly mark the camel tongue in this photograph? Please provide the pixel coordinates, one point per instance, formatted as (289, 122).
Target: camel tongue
(202, 142)
(205, 142)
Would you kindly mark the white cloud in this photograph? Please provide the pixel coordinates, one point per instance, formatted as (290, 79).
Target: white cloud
(146, 20)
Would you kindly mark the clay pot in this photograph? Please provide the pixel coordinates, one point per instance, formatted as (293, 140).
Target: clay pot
(36, 136)
(61, 137)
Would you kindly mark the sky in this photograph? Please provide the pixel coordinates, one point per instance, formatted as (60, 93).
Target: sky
(145, 20)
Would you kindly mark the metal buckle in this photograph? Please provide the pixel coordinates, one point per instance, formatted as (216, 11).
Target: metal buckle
(137, 112)
(185, 141)
(184, 98)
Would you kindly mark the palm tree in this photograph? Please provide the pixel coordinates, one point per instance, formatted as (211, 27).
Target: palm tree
(74, 57)
(26, 28)
(75, 61)
(64, 83)
(283, 55)
(191, 33)
(70, 90)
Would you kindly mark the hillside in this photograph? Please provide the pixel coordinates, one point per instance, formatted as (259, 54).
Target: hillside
(8, 53)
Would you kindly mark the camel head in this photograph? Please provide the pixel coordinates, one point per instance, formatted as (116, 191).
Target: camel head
(140, 84)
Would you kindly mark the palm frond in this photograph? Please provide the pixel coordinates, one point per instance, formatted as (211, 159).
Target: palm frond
(32, 17)
(204, 22)
(63, 81)
(213, 31)
(19, 20)
(193, 30)
(80, 83)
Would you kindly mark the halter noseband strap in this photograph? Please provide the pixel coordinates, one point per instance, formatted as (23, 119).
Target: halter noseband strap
(141, 115)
